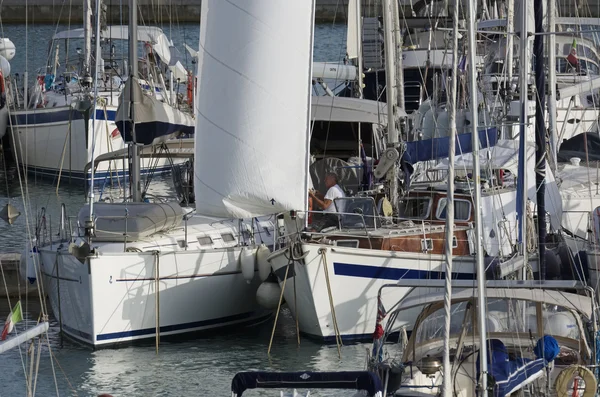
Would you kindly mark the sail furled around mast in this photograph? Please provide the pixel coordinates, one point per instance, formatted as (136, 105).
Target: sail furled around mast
(253, 107)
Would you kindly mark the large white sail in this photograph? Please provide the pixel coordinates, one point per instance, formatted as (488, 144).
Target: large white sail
(253, 107)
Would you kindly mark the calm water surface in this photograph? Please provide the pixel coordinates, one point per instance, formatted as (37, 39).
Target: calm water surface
(190, 367)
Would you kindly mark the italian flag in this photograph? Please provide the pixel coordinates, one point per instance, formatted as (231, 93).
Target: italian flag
(14, 317)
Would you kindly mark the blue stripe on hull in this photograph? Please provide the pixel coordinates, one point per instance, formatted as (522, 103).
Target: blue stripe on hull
(180, 327)
(99, 177)
(387, 273)
(351, 338)
(55, 115)
(147, 132)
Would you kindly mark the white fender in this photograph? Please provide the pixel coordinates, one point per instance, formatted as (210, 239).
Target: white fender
(267, 295)
(264, 267)
(28, 263)
(247, 264)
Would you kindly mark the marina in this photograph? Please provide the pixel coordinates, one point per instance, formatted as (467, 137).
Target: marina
(313, 197)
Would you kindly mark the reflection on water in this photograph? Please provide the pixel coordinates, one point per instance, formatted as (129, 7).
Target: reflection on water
(201, 365)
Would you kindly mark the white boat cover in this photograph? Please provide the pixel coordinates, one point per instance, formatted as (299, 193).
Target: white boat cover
(139, 220)
(147, 34)
(579, 303)
(505, 155)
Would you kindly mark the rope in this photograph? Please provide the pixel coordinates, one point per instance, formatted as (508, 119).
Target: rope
(296, 310)
(278, 307)
(338, 338)
(62, 157)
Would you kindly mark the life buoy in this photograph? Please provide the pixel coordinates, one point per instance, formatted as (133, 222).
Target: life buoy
(190, 89)
(561, 384)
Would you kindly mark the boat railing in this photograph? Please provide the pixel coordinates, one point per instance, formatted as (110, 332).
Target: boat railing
(396, 226)
(244, 237)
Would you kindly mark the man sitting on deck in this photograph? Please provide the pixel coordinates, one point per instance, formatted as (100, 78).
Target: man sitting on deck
(329, 216)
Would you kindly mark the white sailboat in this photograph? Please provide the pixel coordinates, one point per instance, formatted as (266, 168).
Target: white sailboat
(138, 270)
(58, 121)
(339, 271)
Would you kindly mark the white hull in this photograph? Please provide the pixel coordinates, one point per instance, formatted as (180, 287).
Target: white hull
(40, 141)
(112, 297)
(115, 301)
(355, 276)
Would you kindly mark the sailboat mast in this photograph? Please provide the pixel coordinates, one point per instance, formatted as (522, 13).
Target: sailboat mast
(540, 131)
(552, 83)
(87, 36)
(510, 21)
(399, 63)
(97, 68)
(481, 318)
(134, 158)
(452, 96)
(390, 84)
(359, 55)
(524, 118)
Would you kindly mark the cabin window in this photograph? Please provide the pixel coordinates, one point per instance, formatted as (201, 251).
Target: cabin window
(357, 212)
(347, 243)
(205, 240)
(426, 244)
(414, 208)
(454, 242)
(227, 238)
(462, 209)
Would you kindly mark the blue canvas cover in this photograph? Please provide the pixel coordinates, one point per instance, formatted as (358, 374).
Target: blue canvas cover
(438, 148)
(356, 380)
(509, 375)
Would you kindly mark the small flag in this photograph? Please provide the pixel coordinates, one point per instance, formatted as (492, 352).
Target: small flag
(14, 317)
(381, 313)
(572, 57)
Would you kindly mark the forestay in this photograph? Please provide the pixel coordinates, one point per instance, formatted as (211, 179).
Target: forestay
(253, 107)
